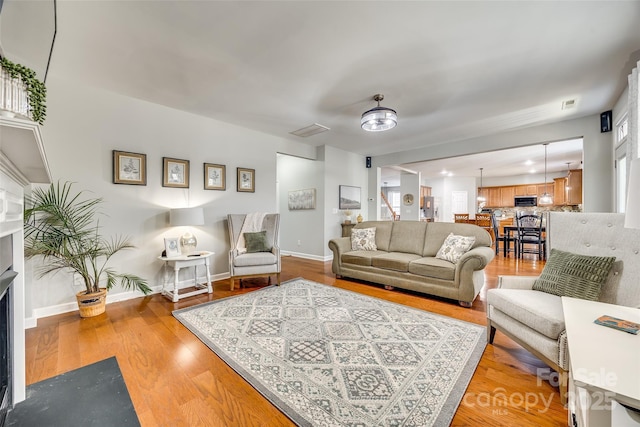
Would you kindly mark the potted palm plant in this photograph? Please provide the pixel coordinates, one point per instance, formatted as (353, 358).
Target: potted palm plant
(63, 228)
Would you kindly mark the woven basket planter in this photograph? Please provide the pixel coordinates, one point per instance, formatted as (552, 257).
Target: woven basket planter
(93, 304)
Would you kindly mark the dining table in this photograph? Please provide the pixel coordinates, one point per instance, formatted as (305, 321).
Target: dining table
(509, 229)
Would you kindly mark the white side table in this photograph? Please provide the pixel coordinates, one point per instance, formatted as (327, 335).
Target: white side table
(184, 261)
(604, 362)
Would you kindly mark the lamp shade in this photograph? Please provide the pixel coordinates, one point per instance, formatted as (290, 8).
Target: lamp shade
(186, 216)
(632, 215)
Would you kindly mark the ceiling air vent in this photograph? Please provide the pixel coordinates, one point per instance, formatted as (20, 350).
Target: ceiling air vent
(570, 103)
(310, 130)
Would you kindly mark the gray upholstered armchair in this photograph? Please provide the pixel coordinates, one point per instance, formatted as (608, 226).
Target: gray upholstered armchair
(535, 319)
(254, 264)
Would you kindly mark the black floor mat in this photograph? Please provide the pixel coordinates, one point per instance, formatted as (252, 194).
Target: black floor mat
(94, 395)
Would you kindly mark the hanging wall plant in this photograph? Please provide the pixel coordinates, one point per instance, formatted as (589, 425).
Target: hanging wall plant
(36, 90)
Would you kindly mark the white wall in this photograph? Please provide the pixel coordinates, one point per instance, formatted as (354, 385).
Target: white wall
(410, 184)
(85, 124)
(341, 168)
(295, 173)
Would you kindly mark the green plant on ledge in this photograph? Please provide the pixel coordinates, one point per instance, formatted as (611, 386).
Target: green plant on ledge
(36, 90)
(62, 227)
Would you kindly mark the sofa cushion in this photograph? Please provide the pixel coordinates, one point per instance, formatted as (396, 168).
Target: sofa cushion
(437, 232)
(398, 261)
(360, 257)
(433, 267)
(572, 275)
(538, 310)
(363, 239)
(454, 247)
(408, 237)
(383, 232)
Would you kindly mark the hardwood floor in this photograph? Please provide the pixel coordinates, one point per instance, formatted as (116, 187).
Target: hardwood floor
(175, 380)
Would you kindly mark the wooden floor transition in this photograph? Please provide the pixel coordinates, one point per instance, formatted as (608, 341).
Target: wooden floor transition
(175, 380)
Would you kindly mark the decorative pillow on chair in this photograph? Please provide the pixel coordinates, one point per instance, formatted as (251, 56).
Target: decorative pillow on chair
(454, 247)
(363, 239)
(256, 242)
(571, 275)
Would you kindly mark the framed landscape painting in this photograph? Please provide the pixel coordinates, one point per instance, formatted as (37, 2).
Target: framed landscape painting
(246, 180)
(215, 177)
(129, 168)
(175, 173)
(302, 199)
(349, 197)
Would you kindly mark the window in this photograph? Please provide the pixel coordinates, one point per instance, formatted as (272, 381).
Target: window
(622, 129)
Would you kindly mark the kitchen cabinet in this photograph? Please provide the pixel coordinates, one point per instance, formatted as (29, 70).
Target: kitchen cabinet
(574, 187)
(559, 191)
(495, 197)
(520, 190)
(424, 192)
(507, 195)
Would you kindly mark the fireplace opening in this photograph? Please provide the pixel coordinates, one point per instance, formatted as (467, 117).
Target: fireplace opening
(7, 275)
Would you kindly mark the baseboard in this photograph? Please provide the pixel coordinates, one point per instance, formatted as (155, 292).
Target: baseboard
(32, 322)
(307, 256)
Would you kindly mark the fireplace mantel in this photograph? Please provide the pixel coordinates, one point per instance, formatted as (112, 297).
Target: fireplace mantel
(22, 162)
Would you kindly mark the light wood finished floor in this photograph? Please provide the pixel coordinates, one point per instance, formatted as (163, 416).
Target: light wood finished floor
(175, 380)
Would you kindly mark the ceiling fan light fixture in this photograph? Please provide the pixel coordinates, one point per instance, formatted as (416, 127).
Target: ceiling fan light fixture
(379, 118)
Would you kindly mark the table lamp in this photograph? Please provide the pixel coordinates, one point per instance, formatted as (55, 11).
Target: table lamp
(632, 215)
(187, 217)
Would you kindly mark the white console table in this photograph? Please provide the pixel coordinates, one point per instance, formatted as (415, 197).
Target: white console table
(604, 364)
(180, 262)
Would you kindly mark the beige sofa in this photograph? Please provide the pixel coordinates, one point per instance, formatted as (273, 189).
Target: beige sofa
(405, 258)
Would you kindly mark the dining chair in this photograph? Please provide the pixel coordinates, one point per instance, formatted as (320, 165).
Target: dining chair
(483, 220)
(461, 217)
(530, 233)
(505, 238)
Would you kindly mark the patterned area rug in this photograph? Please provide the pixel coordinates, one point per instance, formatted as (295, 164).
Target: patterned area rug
(330, 357)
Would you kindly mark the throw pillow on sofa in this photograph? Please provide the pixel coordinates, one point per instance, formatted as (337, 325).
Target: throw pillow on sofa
(454, 247)
(571, 275)
(363, 239)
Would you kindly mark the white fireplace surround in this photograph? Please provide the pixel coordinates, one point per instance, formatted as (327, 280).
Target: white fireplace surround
(22, 162)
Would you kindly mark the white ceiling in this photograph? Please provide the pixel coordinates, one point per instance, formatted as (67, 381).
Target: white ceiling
(452, 70)
(511, 163)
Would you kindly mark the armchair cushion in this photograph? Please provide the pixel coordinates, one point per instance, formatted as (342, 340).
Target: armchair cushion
(540, 311)
(454, 247)
(572, 275)
(255, 259)
(257, 242)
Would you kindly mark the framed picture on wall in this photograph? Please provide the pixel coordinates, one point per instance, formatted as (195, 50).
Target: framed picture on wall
(246, 180)
(175, 173)
(215, 177)
(302, 199)
(349, 197)
(129, 168)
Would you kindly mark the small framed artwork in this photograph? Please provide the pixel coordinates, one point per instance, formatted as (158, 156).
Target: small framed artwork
(302, 199)
(246, 180)
(172, 247)
(215, 177)
(129, 168)
(349, 197)
(175, 173)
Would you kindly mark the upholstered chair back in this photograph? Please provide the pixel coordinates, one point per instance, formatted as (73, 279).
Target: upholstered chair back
(602, 234)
